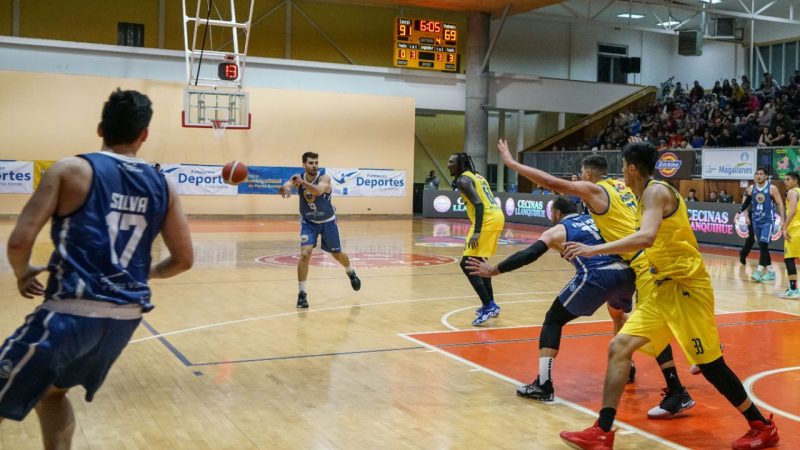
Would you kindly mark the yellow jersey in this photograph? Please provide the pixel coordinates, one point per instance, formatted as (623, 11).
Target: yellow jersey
(795, 223)
(675, 254)
(493, 218)
(619, 219)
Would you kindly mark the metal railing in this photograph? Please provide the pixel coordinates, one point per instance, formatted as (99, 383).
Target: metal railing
(565, 163)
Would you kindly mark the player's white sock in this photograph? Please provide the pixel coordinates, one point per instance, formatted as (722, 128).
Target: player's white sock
(770, 269)
(759, 268)
(301, 286)
(545, 366)
(349, 270)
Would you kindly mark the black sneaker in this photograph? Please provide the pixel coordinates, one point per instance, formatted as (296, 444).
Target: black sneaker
(542, 392)
(354, 281)
(302, 300)
(743, 259)
(672, 405)
(632, 374)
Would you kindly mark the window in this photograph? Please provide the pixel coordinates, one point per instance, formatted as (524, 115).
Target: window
(609, 63)
(130, 34)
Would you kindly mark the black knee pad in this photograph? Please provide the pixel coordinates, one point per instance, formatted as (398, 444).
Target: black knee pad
(665, 356)
(791, 268)
(555, 319)
(722, 377)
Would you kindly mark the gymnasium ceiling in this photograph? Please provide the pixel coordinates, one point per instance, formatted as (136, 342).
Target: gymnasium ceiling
(680, 14)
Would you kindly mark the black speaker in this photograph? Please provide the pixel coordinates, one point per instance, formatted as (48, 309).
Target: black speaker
(635, 65)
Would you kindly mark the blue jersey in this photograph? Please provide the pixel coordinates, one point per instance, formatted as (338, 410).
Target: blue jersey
(762, 205)
(316, 208)
(102, 250)
(581, 228)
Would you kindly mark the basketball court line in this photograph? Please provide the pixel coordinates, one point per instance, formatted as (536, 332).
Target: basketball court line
(294, 313)
(557, 400)
(445, 318)
(751, 380)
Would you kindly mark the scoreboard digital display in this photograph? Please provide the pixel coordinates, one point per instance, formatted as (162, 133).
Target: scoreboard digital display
(425, 44)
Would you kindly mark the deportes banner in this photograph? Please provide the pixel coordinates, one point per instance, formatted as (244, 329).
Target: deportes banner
(267, 180)
(785, 160)
(16, 177)
(729, 163)
(197, 180)
(675, 164)
(368, 182)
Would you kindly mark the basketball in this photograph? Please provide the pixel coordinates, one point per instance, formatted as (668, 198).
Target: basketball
(234, 172)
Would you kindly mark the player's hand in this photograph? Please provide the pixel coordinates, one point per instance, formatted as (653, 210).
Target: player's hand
(747, 219)
(503, 151)
(480, 267)
(574, 249)
(786, 235)
(28, 285)
(285, 192)
(634, 139)
(296, 180)
(473, 241)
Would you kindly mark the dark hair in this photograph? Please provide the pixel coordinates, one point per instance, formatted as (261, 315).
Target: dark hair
(692, 190)
(126, 114)
(596, 163)
(309, 155)
(565, 205)
(762, 169)
(794, 175)
(464, 162)
(643, 155)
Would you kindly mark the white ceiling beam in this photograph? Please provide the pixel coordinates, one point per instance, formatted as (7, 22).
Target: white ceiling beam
(569, 10)
(610, 2)
(766, 7)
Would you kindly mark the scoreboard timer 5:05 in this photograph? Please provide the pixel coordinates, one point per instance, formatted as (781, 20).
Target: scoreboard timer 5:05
(425, 44)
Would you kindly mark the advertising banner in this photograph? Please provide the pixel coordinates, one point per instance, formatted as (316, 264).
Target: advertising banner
(267, 180)
(16, 177)
(785, 160)
(39, 168)
(675, 164)
(197, 180)
(368, 182)
(713, 223)
(729, 163)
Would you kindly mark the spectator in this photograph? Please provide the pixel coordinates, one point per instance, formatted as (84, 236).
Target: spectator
(724, 197)
(697, 92)
(727, 90)
(692, 195)
(717, 89)
(712, 197)
(779, 137)
(726, 139)
(432, 181)
(765, 138)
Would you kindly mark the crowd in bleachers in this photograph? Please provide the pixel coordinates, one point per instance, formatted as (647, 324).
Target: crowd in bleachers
(731, 114)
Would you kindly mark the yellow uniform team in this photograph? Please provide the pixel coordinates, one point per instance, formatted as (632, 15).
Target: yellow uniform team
(493, 218)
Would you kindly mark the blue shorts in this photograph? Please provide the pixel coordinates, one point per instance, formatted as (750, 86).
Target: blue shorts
(61, 350)
(309, 231)
(587, 291)
(762, 232)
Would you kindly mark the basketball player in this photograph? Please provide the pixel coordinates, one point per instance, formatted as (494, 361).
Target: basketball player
(791, 233)
(682, 304)
(487, 223)
(599, 279)
(317, 219)
(762, 198)
(612, 205)
(106, 209)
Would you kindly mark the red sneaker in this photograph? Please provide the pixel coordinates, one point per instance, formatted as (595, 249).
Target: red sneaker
(593, 438)
(760, 435)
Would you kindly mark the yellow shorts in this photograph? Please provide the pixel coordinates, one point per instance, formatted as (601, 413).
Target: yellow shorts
(791, 248)
(487, 244)
(687, 313)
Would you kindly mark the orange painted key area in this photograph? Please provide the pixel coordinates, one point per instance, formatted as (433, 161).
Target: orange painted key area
(756, 343)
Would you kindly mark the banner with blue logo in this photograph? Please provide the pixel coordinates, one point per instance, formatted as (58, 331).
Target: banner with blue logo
(16, 177)
(729, 163)
(368, 182)
(267, 180)
(197, 180)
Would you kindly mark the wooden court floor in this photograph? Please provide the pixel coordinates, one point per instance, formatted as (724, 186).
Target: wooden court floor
(225, 361)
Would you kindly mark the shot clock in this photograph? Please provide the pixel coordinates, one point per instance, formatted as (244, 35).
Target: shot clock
(425, 44)
(228, 70)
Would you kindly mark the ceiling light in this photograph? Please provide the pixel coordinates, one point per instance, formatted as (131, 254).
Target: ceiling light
(668, 23)
(713, 2)
(630, 16)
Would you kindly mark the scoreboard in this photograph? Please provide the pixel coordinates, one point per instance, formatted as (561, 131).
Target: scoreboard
(425, 44)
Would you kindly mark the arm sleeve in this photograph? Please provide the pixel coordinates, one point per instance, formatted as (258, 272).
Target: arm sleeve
(523, 257)
(478, 217)
(745, 203)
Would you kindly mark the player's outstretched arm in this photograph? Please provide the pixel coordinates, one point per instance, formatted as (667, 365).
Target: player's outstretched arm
(177, 237)
(37, 211)
(286, 188)
(658, 201)
(592, 194)
(552, 238)
(323, 185)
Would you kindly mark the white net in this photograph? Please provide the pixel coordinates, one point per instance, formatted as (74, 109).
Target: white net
(219, 127)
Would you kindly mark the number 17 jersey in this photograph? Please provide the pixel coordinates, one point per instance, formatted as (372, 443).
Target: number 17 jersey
(102, 250)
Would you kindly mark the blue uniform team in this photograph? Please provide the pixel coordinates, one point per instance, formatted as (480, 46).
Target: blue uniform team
(598, 279)
(762, 200)
(106, 210)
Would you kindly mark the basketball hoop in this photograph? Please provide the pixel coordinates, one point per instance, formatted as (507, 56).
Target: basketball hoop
(219, 127)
